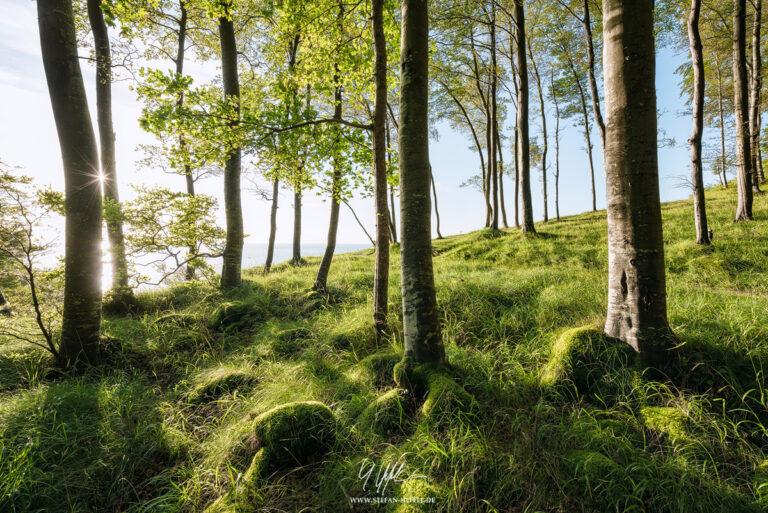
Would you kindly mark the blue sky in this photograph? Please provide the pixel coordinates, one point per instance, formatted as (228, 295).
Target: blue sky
(28, 139)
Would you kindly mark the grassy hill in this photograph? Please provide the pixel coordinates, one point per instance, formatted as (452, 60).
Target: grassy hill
(549, 418)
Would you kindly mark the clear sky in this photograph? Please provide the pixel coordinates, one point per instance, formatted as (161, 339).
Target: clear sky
(28, 140)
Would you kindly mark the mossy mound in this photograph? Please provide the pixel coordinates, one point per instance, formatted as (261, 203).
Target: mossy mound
(386, 415)
(417, 496)
(667, 420)
(591, 465)
(590, 360)
(219, 381)
(292, 435)
(238, 315)
(381, 366)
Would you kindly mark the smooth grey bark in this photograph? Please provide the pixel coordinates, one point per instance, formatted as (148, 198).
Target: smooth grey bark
(756, 84)
(557, 146)
(321, 279)
(697, 171)
(492, 138)
(516, 85)
(543, 134)
(522, 120)
(81, 316)
(501, 176)
(637, 302)
(233, 248)
(421, 324)
(296, 258)
(743, 154)
(272, 226)
(380, 143)
(391, 210)
(120, 289)
(721, 112)
(587, 23)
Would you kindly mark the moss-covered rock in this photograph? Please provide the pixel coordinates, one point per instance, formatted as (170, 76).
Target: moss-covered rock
(386, 415)
(667, 420)
(221, 380)
(292, 435)
(593, 362)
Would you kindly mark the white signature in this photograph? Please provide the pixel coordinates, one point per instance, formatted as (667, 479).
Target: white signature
(386, 474)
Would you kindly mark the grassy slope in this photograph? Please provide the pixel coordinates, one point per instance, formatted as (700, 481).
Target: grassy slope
(164, 426)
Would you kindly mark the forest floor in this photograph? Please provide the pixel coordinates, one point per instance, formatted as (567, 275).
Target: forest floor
(549, 418)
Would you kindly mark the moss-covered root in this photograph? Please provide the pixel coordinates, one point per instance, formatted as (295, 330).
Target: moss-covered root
(442, 395)
(668, 421)
(388, 414)
(591, 361)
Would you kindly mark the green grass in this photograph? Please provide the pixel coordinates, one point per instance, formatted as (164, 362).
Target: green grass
(545, 421)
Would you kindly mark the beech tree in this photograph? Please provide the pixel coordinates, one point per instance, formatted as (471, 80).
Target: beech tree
(637, 304)
(421, 324)
(522, 120)
(81, 315)
(741, 109)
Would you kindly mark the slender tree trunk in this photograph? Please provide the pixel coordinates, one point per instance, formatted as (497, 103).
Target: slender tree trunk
(587, 135)
(514, 70)
(743, 154)
(697, 171)
(587, 23)
(557, 146)
(120, 287)
(724, 176)
(321, 280)
(272, 226)
(421, 324)
(522, 120)
(754, 97)
(380, 142)
(501, 176)
(492, 124)
(391, 209)
(81, 316)
(296, 259)
(434, 195)
(517, 177)
(637, 302)
(487, 111)
(543, 134)
(233, 249)
(5, 308)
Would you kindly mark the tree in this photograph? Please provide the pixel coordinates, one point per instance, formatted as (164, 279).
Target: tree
(637, 304)
(421, 325)
(522, 120)
(755, 85)
(741, 108)
(233, 250)
(81, 317)
(697, 172)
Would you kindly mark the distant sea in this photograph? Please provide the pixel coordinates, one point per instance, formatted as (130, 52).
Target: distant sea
(256, 254)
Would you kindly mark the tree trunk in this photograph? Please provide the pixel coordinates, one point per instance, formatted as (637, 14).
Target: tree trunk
(557, 147)
(637, 302)
(380, 143)
(5, 308)
(724, 176)
(492, 124)
(743, 154)
(434, 195)
(543, 134)
(587, 23)
(522, 120)
(321, 280)
(120, 288)
(754, 97)
(501, 176)
(81, 316)
(517, 177)
(587, 136)
(697, 172)
(296, 259)
(421, 324)
(391, 209)
(272, 226)
(487, 111)
(233, 249)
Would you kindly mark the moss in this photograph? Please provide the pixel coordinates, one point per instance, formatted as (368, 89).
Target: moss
(386, 415)
(760, 482)
(588, 359)
(420, 494)
(667, 420)
(381, 366)
(292, 435)
(219, 381)
(591, 465)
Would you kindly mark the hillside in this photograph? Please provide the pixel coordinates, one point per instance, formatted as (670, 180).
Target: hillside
(549, 418)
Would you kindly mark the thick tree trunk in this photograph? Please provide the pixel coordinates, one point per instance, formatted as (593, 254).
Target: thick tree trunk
(522, 120)
(120, 288)
(421, 324)
(233, 249)
(272, 226)
(637, 302)
(380, 143)
(296, 258)
(492, 124)
(587, 23)
(697, 171)
(754, 98)
(81, 316)
(543, 134)
(743, 154)
(557, 146)
(321, 280)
